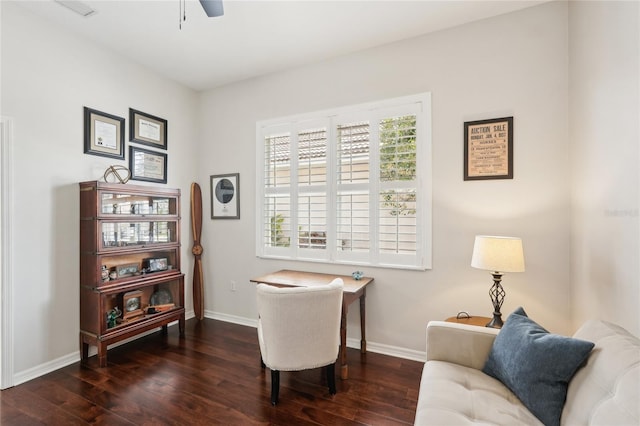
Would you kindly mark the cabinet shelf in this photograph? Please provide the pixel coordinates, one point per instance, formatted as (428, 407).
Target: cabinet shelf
(129, 256)
(143, 321)
(131, 283)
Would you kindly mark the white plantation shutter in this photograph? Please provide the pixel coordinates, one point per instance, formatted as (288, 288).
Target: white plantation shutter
(352, 190)
(353, 152)
(312, 221)
(397, 222)
(398, 195)
(312, 191)
(348, 186)
(352, 223)
(276, 211)
(312, 157)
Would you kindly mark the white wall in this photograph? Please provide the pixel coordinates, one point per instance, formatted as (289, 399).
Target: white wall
(48, 76)
(514, 64)
(605, 117)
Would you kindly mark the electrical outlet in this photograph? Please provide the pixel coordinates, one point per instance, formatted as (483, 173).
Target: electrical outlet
(233, 285)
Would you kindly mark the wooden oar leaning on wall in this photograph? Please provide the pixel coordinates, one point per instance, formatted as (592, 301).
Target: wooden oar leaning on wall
(196, 228)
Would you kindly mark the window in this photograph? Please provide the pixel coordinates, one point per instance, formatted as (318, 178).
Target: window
(351, 185)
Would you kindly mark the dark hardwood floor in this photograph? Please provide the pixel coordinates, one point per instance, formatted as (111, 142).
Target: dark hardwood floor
(212, 376)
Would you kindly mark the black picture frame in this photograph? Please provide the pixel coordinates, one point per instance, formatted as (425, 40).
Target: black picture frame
(225, 196)
(147, 165)
(147, 129)
(103, 134)
(488, 149)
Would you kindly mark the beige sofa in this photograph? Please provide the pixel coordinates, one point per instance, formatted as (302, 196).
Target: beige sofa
(455, 391)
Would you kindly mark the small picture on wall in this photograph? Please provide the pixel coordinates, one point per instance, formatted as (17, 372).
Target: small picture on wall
(488, 149)
(225, 196)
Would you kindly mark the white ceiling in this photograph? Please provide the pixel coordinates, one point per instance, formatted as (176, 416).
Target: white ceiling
(257, 37)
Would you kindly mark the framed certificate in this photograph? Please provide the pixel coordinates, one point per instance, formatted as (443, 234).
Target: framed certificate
(488, 149)
(103, 134)
(225, 196)
(146, 165)
(147, 129)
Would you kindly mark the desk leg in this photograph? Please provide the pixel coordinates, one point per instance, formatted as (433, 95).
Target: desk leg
(363, 339)
(344, 368)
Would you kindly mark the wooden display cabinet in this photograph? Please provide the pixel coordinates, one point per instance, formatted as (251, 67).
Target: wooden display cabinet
(130, 278)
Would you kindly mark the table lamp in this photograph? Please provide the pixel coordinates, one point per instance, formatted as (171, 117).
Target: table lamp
(498, 255)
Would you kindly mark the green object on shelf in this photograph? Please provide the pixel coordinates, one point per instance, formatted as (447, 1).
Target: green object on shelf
(112, 316)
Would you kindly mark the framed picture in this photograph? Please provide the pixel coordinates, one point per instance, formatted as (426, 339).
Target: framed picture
(150, 166)
(155, 264)
(147, 129)
(103, 134)
(488, 149)
(126, 270)
(225, 196)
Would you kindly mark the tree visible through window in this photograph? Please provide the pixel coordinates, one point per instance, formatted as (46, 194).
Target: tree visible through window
(351, 185)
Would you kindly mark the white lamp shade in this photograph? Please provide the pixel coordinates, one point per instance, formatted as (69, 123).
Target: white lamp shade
(498, 254)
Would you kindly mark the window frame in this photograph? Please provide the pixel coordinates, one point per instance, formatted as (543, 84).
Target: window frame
(331, 118)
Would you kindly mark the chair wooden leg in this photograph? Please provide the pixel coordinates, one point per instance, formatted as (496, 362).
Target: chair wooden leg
(275, 386)
(331, 378)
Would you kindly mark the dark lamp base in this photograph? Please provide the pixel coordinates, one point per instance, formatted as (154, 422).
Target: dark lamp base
(496, 321)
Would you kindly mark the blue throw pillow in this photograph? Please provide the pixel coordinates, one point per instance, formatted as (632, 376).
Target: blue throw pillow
(536, 365)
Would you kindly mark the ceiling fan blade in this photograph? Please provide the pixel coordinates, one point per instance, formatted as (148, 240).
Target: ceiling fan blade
(212, 8)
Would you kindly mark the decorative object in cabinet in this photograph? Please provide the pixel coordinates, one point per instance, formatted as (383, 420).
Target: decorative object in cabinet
(132, 305)
(129, 255)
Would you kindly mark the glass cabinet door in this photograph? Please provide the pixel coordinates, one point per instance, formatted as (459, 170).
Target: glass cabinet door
(133, 204)
(137, 233)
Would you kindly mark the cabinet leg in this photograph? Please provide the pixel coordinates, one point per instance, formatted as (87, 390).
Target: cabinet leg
(84, 350)
(181, 324)
(102, 355)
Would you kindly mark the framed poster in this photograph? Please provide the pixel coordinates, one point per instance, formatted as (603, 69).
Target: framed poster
(103, 134)
(150, 166)
(488, 149)
(147, 129)
(225, 196)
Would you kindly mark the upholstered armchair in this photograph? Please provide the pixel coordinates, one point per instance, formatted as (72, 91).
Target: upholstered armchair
(299, 329)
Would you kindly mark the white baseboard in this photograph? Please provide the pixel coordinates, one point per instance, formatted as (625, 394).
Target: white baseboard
(379, 348)
(63, 361)
(394, 351)
(47, 367)
(250, 322)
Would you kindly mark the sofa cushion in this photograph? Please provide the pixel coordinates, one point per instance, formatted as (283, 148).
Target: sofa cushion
(536, 365)
(606, 390)
(451, 394)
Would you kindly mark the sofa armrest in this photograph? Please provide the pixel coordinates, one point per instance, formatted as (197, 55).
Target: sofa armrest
(462, 344)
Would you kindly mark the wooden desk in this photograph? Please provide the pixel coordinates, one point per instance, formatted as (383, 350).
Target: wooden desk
(353, 290)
